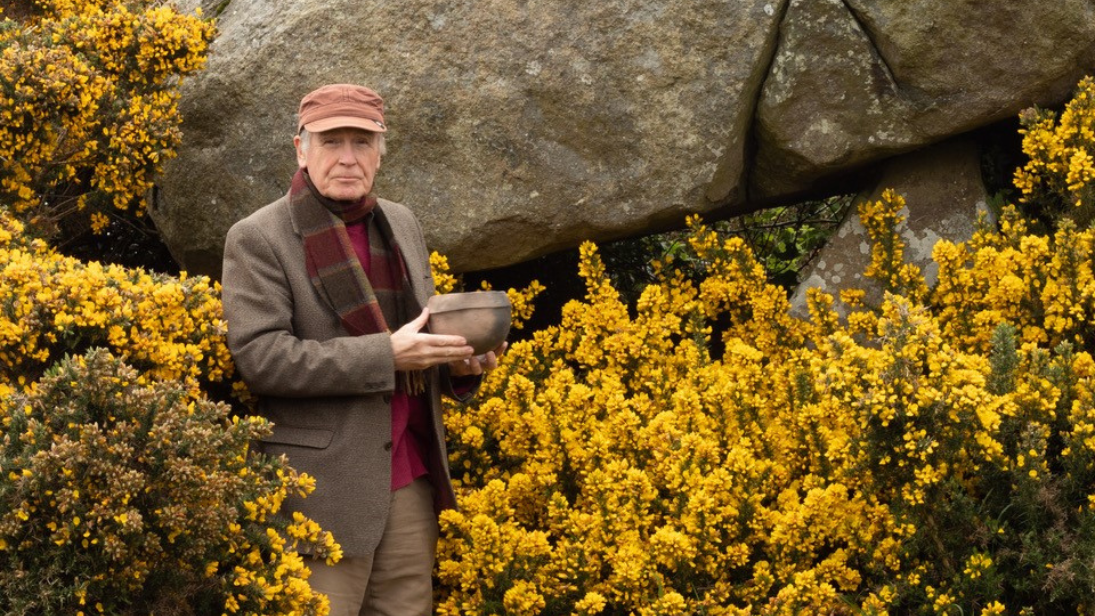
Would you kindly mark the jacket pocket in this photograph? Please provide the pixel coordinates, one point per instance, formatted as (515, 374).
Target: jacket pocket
(301, 437)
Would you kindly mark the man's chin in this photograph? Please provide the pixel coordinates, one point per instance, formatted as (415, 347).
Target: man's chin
(345, 194)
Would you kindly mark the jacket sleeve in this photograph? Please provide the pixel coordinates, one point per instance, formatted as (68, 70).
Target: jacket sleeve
(272, 358)
(460, 388)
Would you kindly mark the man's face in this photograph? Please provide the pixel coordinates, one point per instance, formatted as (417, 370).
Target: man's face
(341, 162)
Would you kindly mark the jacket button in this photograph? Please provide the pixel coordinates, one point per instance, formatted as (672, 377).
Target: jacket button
(387, 398)
(388, 446)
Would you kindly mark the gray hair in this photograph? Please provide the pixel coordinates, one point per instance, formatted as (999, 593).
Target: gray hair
(306, 139)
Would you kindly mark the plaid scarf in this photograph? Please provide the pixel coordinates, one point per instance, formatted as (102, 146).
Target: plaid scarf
(364, 305)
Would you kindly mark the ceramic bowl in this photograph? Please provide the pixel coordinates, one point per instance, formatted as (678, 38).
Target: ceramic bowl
(481, 317)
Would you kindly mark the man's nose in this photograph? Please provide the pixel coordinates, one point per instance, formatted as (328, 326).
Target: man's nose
(346, 154)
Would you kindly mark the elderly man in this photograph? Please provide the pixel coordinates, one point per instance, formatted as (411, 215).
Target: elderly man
(324, 294)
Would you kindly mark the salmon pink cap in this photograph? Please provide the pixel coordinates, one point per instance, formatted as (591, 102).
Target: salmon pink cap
(341, 105)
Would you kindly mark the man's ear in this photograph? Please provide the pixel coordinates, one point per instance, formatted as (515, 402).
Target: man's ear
(301, 158)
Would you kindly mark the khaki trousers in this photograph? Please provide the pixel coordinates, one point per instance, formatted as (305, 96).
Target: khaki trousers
(396, 580)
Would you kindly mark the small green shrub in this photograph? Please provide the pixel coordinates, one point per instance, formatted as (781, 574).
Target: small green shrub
(125, 495)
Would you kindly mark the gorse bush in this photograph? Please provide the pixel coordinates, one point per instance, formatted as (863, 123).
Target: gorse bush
(121, 494)
(706, 453)
(699, 451)
(88, 93)
(615, 465)
(1058, 180)
(52, 305)
(124, 488)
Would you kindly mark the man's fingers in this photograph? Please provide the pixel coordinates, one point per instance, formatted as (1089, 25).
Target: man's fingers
(445, 343)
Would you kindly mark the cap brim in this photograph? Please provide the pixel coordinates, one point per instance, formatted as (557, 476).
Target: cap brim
(345, 122)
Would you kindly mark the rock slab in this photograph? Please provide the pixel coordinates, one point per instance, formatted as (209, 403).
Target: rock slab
(519, 128)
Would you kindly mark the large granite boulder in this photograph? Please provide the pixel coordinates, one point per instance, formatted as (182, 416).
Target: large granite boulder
(857, 81)
(515, 128)
(520, 128)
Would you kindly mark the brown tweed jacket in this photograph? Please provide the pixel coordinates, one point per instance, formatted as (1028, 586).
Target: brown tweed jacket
(327, 393)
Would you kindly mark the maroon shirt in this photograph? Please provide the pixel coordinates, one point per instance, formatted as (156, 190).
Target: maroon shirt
(410, 421)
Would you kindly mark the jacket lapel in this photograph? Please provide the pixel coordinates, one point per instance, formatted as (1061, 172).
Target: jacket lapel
(406, 232)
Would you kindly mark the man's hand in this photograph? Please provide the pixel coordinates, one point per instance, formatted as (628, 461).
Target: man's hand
(414, 350)
(479, 363)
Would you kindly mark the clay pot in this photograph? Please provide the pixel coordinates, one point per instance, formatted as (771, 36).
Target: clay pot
(481, 317)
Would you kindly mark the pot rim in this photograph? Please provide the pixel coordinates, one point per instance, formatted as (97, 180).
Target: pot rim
(451, 302)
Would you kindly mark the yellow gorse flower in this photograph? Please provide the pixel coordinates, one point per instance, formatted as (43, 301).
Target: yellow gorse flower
(88, 103)
(705, 452)
(121, 483)
(1060, 170)
(51, 304)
